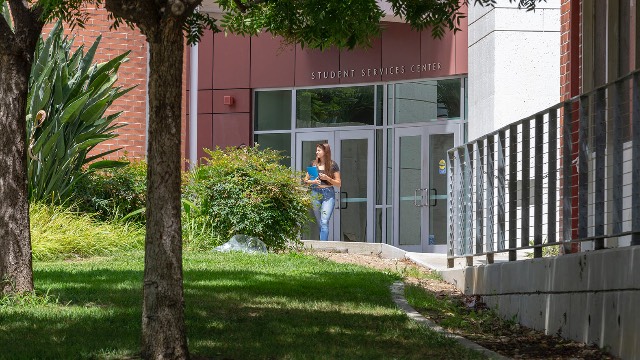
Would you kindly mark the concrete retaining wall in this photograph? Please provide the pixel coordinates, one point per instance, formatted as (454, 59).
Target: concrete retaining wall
(592, 297)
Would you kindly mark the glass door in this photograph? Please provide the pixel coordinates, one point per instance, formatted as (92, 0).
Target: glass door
(305, 153)
(420, 197)
(353, 150)
(407, 193)
(354, 153)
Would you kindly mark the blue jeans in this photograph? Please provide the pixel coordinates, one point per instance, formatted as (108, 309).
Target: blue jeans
(323, 201)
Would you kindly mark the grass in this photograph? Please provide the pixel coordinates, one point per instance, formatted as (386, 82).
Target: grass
(238, 306)
(418, 273)
(451, 314)
(59, 233)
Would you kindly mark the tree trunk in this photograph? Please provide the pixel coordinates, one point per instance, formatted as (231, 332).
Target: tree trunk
(163, 331)
(16, 273)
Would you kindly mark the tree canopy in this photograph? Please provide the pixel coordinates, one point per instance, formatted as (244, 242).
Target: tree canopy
(166, 23)
(344, 24)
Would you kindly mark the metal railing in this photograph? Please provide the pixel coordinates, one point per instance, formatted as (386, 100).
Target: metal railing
(567, 177)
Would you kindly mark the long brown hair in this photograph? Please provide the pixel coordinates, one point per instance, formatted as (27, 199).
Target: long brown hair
(326, 159)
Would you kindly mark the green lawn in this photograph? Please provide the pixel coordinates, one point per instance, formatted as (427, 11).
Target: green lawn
(238, 306)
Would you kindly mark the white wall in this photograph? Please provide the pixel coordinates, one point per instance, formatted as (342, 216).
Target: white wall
(589, 297)
(514, 63)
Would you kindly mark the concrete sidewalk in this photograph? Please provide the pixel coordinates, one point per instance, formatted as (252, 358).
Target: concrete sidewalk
(438, 262)
(434, 261)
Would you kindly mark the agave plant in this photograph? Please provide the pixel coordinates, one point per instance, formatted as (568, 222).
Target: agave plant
(68, 97)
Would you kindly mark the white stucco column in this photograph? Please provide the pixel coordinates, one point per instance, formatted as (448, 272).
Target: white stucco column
(514, 63)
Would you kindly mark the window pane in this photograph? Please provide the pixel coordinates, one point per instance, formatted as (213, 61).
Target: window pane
(427, 100)
(390, 104)
(346, 106)
(389, 238)
(466, 98)
(389, 165)
(280, 142)
(379, 104)
(379, 166)
(273, 110)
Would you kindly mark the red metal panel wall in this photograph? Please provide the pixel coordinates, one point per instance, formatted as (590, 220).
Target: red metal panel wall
(272, 64)
(356, 64)
(205, 61)
(231, 129)
(462, 46)
(242, 64)
(231, 61)
(437, 56)
(231, 77)
(315, 67)
(205, 101)
(241, 101)
(205, 133)
(400, 50)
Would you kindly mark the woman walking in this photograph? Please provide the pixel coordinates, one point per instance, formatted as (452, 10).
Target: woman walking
(323, 194)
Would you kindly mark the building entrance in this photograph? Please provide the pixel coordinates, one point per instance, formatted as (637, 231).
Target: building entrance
(391, 143)
(420, 200)
(353, 151)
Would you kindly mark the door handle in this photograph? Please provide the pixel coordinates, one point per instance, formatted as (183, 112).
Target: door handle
(435, 197)
(345, 197)
(415, 197)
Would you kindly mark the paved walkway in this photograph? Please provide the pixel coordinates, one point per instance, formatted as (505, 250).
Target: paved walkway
(438, 262)
(433, 261)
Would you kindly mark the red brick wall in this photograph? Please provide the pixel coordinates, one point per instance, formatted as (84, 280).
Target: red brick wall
(132, 73)
(565, 74)
(570, 49)
(570, 84)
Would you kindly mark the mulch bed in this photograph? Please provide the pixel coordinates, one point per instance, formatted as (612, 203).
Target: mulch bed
(504, 337)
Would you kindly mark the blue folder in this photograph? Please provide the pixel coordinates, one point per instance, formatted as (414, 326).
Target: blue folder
(313, 172)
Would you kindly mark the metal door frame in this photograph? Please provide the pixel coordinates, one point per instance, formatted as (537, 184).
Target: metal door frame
(424, 131)
(334, 137)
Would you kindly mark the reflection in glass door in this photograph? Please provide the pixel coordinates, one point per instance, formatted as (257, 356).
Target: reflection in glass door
(409, 182)
(353, 150)
(438, 205)
(305, 153)
(420, 199)
(355, 214)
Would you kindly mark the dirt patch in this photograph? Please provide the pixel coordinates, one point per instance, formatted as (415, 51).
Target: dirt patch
(504, 337)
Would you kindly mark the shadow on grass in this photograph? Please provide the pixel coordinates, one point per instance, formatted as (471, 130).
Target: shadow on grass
(278, 311)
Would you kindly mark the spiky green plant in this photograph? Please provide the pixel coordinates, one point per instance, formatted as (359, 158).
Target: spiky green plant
(4, 9)
(68, 97)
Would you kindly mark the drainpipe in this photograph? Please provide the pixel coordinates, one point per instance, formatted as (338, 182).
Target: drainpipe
(193, 105)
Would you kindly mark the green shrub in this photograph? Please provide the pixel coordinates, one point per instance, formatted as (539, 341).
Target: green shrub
(246, 191)
(59, 233)
(547, 251)
(112, 194)
(197, 228)
(73, 94)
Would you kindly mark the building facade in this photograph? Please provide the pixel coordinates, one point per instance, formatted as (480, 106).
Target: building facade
(390, 112)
